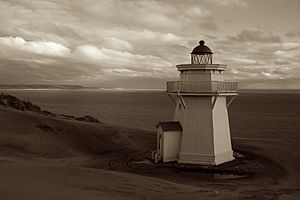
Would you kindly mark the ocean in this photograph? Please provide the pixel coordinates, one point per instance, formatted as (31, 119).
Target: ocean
(257, 115)
(137, 109)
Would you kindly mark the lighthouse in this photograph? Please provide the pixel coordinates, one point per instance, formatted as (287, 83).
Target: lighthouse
(199, 132)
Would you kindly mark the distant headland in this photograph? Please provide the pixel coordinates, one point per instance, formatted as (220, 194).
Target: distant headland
(43, 86)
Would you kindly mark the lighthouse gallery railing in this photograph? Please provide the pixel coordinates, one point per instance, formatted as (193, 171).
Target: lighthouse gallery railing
(201, 86)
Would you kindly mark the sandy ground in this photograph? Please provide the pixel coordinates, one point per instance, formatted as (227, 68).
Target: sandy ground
(48, 158)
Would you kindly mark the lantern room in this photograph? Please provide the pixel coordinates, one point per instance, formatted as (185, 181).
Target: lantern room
(201, 54)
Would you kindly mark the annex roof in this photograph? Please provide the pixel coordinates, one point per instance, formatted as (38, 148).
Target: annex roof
(170, 126)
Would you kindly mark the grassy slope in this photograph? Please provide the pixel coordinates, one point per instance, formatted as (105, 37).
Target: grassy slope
(32, 133)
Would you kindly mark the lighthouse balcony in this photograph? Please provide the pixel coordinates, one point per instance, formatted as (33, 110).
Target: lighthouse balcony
(202, 87)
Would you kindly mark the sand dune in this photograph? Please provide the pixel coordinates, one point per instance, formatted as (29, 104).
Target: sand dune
(32, 133)
(50, 158)
(38, 181)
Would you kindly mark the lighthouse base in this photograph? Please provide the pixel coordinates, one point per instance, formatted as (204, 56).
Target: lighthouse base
(202, 159)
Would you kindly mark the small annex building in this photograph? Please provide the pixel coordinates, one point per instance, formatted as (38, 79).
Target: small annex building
(168, 141)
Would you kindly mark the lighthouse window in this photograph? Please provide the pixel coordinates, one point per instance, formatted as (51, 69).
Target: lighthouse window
(179, 106)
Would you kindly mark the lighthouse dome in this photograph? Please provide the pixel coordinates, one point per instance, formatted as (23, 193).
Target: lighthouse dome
(201, 49)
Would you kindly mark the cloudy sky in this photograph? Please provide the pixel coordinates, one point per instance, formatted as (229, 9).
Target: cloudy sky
(138, 43)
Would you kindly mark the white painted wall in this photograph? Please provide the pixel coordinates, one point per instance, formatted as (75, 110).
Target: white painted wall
(196, 122)
(206, 135)
(168, 144)
(172, 141)
(202, 75)
(222, 139)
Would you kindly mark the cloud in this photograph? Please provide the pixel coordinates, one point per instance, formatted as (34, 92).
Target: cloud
(229, 21)
(89, 52)
(37, 47)
(115, 58)
(257, 35)
(229, 2)
(254, 60)
(289, 54)
(244, 61)
(161, 16)
(125, 42)
(293, 33)
(117, 44)
(197, 11)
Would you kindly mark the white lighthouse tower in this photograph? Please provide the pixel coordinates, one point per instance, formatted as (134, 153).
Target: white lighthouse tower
(201, 96)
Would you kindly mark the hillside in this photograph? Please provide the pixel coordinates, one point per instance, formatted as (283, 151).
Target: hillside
(49, 157)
